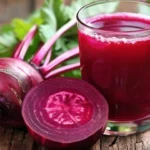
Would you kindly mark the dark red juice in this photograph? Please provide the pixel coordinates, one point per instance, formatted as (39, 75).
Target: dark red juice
(115, 58)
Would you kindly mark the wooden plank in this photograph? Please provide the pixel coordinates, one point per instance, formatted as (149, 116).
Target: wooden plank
(13, 8)
(11, 139)
(133, 142)
(39, 3)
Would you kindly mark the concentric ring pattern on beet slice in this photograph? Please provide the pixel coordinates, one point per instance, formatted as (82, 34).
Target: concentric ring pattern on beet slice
(65, 113)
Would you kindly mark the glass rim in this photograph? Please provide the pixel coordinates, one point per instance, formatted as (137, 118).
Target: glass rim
(105, 31)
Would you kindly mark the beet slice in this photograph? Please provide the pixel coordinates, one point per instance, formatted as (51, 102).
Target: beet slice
(65, 113)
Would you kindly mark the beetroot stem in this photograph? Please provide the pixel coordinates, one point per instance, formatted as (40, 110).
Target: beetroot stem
(17, 49)
(63, 57)
(24, 44)
(48, 45)
(47, 59)
(62, 70)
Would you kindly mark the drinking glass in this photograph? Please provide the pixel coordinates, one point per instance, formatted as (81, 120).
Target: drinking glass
(114, 42)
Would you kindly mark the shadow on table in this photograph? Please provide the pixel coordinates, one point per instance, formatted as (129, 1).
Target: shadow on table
(38, 147)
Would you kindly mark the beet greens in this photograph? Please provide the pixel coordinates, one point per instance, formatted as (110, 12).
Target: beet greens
(19, 76)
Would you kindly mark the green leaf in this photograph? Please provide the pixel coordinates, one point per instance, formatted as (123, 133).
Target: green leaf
(7, 44)
(60, 45)
(49, 16)
(75, 74)
(72, 43)
(5, 28)
(36, 18)
(35, 44)
(60, 11)
(64, 44)
(20, 28)
(49, 26)
(76, 5)
(45, 32)
(73, 32)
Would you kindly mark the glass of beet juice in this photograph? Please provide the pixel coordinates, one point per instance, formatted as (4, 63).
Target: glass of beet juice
(114, 41)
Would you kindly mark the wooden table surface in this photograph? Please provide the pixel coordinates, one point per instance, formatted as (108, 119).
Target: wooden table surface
(11, 139)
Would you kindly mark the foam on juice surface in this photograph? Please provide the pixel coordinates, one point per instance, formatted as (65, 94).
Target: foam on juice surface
(128, 28)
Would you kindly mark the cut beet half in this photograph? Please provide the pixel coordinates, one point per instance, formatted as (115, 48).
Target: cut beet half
(65, 113)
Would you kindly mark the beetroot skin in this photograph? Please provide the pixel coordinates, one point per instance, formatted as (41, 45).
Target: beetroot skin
(16, 79)
(65, 113)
